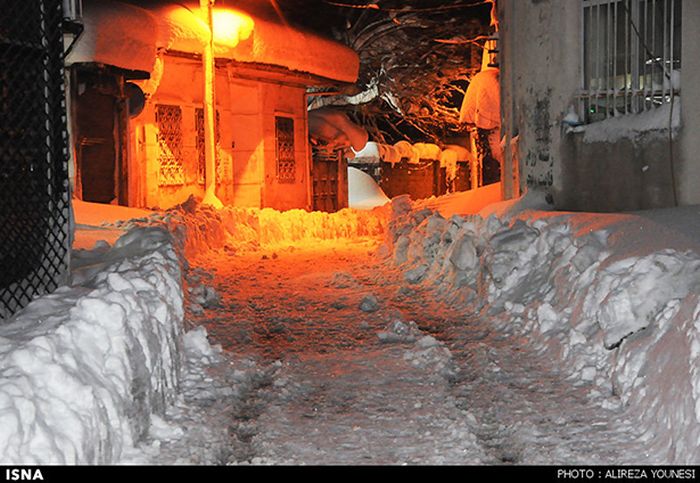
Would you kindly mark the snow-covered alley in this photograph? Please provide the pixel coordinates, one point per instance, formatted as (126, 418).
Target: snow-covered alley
(350, 232)
(376, 371)
(405, 334)
(333, 354)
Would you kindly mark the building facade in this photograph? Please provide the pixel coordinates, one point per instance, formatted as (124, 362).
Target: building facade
(598, 101)
(138, 120)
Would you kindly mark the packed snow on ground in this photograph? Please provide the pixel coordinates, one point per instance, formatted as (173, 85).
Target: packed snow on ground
(615, 302)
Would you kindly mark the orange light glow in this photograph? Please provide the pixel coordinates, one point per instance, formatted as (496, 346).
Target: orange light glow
(231, 27)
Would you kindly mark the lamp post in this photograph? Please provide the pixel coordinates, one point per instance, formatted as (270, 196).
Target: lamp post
(210, 198)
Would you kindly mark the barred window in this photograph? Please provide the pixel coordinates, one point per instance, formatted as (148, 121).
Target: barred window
(631, 56)
(201, 153)
(284, 134)
(169, 121)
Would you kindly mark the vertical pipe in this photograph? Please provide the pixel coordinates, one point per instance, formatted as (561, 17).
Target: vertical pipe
(653, 48)
(308, 155)
(645, 41)
(511, 184)
(627, 57)
(608, 57)
(635, 42)
(206, 7)
(597, 55)
(664, 57)
(670, 46)
(614, 58)
(584, 100)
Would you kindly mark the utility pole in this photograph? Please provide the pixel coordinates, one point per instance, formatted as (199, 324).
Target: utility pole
(210, 198)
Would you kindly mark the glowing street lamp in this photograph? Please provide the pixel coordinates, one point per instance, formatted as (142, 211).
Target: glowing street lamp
(231, 27)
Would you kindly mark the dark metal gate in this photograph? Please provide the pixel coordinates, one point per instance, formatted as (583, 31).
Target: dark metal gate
(34, 200)
(419, 180)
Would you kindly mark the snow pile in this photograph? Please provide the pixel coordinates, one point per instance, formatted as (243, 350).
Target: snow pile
(425, 352)
(398, 331)
(429, 353)
(197, 345)
(623, 318)
(197, 228)
(83, 369)
(363, 192)
(633, 126)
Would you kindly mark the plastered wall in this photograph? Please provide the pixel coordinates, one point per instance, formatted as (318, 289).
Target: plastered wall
(246, 168)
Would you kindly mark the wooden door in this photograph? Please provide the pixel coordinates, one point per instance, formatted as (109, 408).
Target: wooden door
(95, 145)
(330, 181)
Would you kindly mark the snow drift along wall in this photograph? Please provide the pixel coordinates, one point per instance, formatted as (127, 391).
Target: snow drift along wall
(627, 321)
(83, 369)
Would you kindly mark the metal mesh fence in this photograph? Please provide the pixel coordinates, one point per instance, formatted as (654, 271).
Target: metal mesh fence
(34, 200)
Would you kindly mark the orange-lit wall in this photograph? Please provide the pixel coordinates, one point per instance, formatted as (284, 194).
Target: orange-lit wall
(247, 109)
(289, 102)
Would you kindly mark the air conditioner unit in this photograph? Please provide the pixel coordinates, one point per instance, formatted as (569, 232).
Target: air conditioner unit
(73, 9)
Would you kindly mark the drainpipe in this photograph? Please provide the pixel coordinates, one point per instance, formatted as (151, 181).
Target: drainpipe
(309, 156)
(206, 7)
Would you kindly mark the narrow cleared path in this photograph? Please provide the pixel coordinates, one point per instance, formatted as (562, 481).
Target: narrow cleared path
(353, 386)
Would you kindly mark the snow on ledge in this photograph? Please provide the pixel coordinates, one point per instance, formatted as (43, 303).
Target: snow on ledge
(84, 368)
(632, 126)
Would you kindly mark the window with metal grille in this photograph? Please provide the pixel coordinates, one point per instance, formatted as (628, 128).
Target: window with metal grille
(201, 154)
(631, 56)
(169, 121)
(284, 134)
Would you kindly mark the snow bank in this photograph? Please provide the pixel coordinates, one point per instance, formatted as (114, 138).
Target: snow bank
(84, 368)
(198, 228)
(464, 202)
(621, 315)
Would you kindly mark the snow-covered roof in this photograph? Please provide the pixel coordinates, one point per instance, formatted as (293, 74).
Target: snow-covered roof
(116, 34)
(128, 37)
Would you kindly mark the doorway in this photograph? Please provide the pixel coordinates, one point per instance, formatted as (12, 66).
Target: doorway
(99, 131)
(330, 181)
